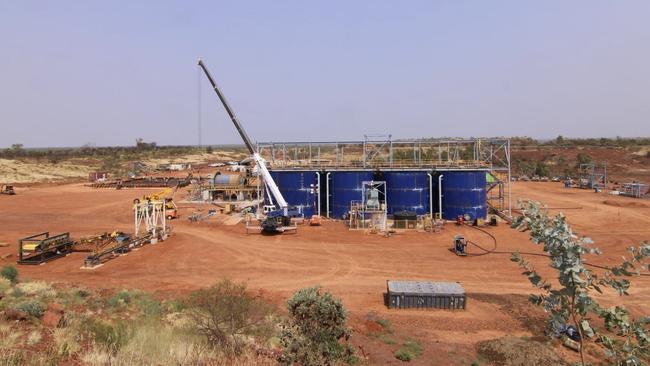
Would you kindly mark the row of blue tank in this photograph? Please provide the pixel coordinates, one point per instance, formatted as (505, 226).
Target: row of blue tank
(462, 192)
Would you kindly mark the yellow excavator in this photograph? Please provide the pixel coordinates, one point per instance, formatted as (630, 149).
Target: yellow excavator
(167, 195)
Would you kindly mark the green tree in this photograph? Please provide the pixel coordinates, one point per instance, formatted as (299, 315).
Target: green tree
(541, 169)
(316, 333)
(583, 158)
(625, 340)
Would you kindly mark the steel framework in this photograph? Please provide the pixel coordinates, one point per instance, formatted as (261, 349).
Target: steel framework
(150, 218)
(382, 152)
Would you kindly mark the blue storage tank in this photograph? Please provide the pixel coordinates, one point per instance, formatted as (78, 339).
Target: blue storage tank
(407, 191)
(344, 187)
(299, 189)
(463, 192)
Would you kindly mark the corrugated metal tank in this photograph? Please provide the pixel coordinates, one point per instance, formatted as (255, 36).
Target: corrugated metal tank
(227, 179)
(299, 189)
(406, 191)
(463, 192)
(344, 187)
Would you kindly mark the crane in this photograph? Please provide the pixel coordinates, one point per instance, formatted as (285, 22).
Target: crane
(275, 218)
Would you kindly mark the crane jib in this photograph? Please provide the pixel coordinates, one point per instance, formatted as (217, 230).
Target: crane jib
(231, 113)
(268, 179)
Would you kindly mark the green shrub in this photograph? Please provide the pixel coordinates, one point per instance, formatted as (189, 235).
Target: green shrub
(121, 298)
(148, 306)
(9, 272)
(404, 355)
(409, 351)
(317, 333)
(82, 293)
(111, 336)
(32, 308)
(174, 306)
(386, 324)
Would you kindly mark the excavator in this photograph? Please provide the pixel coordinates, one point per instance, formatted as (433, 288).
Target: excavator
(167, 194)
(277, 219)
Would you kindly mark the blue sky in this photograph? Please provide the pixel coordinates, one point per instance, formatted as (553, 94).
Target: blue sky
(107, 72)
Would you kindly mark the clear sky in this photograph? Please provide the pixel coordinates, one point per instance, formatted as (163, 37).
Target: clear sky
(107, 72)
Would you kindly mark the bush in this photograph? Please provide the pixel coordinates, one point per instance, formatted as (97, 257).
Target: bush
(112, 337)
(9, 272)
(316, 333)
(148, 306)
(32, 308)
(226, 314)
(122, 298)
(409, 351)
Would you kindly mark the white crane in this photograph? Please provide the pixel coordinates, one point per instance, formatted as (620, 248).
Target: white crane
(276, 218)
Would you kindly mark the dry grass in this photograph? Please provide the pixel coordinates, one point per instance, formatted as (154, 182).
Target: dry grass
(31, 171)
(36, 288)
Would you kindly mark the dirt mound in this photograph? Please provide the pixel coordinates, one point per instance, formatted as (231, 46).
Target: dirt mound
(626, 204)
(512, 351)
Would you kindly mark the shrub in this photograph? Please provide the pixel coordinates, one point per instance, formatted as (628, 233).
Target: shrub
(173, 306)
(121, 298)
(316, 333)
(111, 336)
(148, 306)
(409, 351)
(9, 272)
(569, 300)
(226, 313)
(32, 308)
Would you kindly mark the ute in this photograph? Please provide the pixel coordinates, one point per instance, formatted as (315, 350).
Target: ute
(277, 218)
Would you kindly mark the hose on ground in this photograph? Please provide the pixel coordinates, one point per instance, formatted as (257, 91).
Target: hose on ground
(495, 251)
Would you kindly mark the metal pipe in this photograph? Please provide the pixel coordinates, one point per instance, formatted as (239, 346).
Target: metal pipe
(318, 185)
(430, 194)
(327, 193)
(440, 195)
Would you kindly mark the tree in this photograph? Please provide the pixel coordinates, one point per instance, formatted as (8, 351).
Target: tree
(583, 159)
(624, 340)
(226, 314)
(316, 333)
(541, 169)
(559, 140)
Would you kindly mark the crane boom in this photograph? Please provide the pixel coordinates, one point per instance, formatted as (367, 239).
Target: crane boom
(261, 163)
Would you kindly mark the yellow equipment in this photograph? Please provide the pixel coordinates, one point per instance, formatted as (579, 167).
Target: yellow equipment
(167, 195)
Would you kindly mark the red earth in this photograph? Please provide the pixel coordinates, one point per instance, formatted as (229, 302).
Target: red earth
(353, 265)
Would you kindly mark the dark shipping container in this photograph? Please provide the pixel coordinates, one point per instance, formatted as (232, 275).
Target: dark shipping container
(421, 294)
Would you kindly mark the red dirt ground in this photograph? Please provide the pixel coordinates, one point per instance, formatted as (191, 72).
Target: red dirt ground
(351, 264)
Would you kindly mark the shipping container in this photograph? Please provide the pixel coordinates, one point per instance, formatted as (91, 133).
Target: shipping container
(422, 294)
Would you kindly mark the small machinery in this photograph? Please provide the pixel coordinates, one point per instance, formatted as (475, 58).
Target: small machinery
(7, 189)
(460, 246)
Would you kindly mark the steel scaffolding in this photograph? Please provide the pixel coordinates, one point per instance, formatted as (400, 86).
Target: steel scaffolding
(382, 152)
